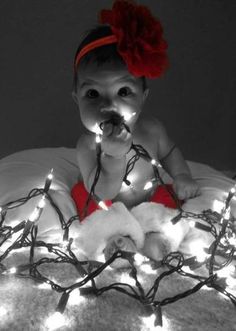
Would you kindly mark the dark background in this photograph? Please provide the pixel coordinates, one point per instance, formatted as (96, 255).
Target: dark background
(195, 99)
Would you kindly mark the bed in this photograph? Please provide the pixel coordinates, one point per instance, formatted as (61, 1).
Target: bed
(30, 304)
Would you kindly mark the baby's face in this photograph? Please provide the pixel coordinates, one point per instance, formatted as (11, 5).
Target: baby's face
(107, 89)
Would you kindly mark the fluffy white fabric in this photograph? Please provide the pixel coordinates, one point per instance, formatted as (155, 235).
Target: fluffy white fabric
(95, 231)
(154, 217)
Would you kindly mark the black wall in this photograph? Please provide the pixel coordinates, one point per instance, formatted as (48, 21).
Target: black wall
(195, 99)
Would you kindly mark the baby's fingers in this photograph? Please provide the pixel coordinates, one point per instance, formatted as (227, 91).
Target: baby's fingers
(107, 129)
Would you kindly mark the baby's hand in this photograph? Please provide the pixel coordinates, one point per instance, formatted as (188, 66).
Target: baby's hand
(116, 140)
(185, 187)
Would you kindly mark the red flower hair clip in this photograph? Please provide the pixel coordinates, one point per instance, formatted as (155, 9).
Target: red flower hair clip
(139, 38)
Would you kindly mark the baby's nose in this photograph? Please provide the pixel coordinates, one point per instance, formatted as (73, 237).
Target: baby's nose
(108, 105)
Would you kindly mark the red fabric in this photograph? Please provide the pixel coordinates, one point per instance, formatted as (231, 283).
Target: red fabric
(161, 195)
(80, 196)
(140, 39)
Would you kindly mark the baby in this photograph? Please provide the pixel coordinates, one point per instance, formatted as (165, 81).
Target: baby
(111, 66)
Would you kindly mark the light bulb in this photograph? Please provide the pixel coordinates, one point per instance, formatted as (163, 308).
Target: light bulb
(34, 216)
(3, 312)
(139, 259)
(147, 269)
(154, 162)
(197, 249)
(191, 224)
(127, 116)
(233, 190)
(98, 138)
(42, 202)
(12, 270)
(218, 206)
(96, 129)
(45, 286)
(226, 213)
(50, 175)
(148, 185)
(55, 321)
(75, 298)
(125, 278)
(149, 323)
(103, 205)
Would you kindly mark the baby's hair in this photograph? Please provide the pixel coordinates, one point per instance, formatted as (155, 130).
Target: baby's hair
(99, 55)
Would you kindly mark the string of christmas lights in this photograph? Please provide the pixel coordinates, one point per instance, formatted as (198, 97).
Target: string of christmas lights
(224, 246)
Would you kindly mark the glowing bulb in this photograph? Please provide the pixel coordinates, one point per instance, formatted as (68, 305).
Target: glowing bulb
(149, 323)
(42, 202)
(97, 129)
(3, 312)
(55, 321)
(126, 186)
(50, 175)
(45, 286)
(191, 224)
(103, 205)
(34, 216)
(226, 214)
(12, 270)
(186, 269)
(147, 186)
(125, 278)
(101, 258)
(147, 269)
(154, 162)
(98, 138)
(75, 298)
(139, 259)
(233, 190)
(197, 249)
(218, 206)
(127, 116)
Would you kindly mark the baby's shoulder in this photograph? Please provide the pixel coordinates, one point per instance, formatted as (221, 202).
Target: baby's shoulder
(150, 125)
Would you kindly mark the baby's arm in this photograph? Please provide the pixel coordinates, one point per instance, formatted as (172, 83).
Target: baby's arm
(173, 162)
(115, 144)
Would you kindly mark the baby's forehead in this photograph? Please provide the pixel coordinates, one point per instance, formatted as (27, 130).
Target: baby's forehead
(105, 72)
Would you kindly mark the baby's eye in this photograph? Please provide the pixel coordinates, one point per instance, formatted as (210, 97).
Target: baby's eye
(92, 94)
(124, 91)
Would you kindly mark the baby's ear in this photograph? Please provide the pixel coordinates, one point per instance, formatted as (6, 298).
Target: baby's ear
(74, 97)
(145, 94)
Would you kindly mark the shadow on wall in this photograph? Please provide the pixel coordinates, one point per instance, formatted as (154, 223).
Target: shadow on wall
(194, 100)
